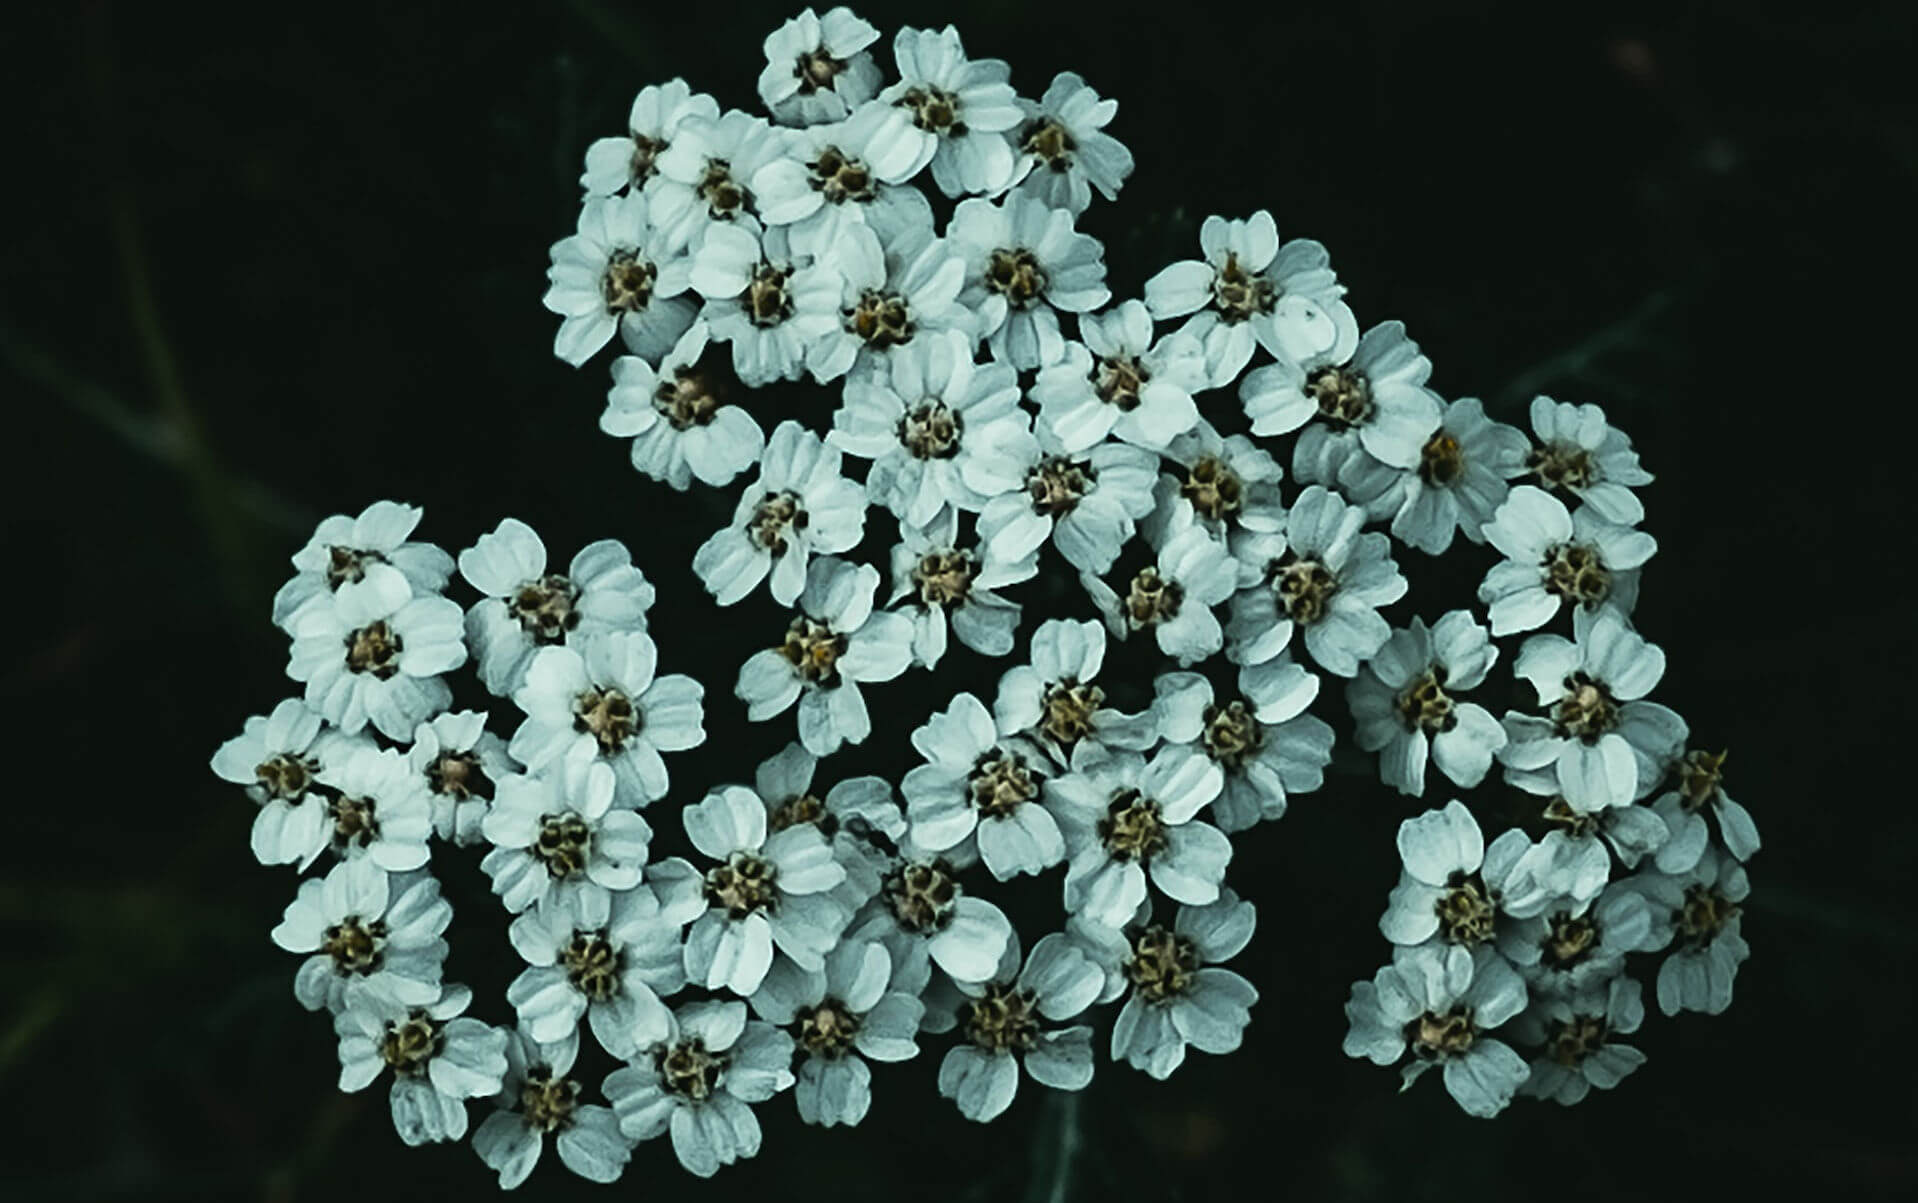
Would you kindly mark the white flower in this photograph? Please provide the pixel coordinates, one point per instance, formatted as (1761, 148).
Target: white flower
(953, 113)
(1602, 745)
(699, 1081)
(539, 1096)
(1324, 575)
(1265, 743)
(525, 607)
(1578, 849)
(369, 933)
(461, 763)
(705, 175)
(1088, 504)
(1251, 289)
(1054, 703)
(365, 656)
(767, 890)
(606, 956)
(1125, 818)
(835, 644)
(1228, 484)
(1024, 260)
(1580, 452)
(1119, 382)
(939, 429)
(1173, 598)
(1442, 1007)
(278, 758)
(840, 1014)
(438, 1059)
(949, 583)
(774, 310)
(1569, 949)
(557, 833)
(835, 179)
(1063, 149)
(369, 554)
(1699, 909)
(910, 288)
(1577, 1034)
(1179, 995)
(378, 809)
(1553, 556)
(619, 272)
(924, 917)
(1699, 785)
(1454, 889)
(852, 815)
(1001, 1024)
(979, 787)
(613, 164)
(799, 506)
(678, 416)
(601, 701)
(1456, 485)
(818, 68)
(1407, 706)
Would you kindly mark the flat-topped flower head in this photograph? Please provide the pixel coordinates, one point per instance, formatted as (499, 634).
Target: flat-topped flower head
(1599, 743)
(705, 175)
(1444, 1010)
(1118, 381)
(1572, 947)
(939, 583)
(524, 607)
(1063, 151)
(540, 1097)
(1581, 453)
(834, 644)
(1577, 1038)
(1126, 819)
(1454, 487)
(699, 1082)
(1324, 575)
(1009, 1019)
(620, 272)
(1554, 557)
(683, 417)
(279, 759)
(1088, 504)
(557, 833)
(924, 917)
(1456, 893)
(439, 1058)
(1055, 701)
(606, 957)
(1173, 596)
(1699, 911)
(982, 791)
(1265, 743)
(376, 807)
(461, 763)
(1695, 787)
(774, 308)
(798, 507)
(1409, 706)
(369, 554)
(366, 932)
(1251, 290)
(631, 161)
(1024, 261)
(847, 1010)
(370, 658)
(818, 68)
(858, 816)
(952, 113)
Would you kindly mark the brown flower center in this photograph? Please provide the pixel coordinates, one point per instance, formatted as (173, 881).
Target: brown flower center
(882, 320)
(1703, 915)
(841, 178)
(1014, 273)
(934, 110)
(1057, 485)
(816, 70)
(375, 649)
(1231, 735)
(409, 1044)
(592, 965)
(1213, 488)
(1700, 776)
(544, 608)
(768, 300)
(943, 578)
(646, 152)
(1441, 462)
(1438, 1036)
(354, 945)
(1152, 599)
(724, 196)
(692, 396)
(744, 885)
(803, 808)
(931, 430)
(1343, 395)
(1068, 708)
(286, 776)
(353, 822)
(1132, 829)
(688, 1070)
(1118, 380)
(1162, 963)
(813, 649)
(347, 565)
(1048, 140)
(608, 715)
(1572, 1040)
(1575, 573)
(827, 1030)
(1587, 710)
(627, 286)
(1239, 294)
(1003, 1019)
(921, 895)
(1562, 465)
(1001, 783)
(776, 514)
(547, 1102)
(563, 845)
(1569, 939)
(1304, 587)
(1465, 911)
(458, 775)
(1424, 704)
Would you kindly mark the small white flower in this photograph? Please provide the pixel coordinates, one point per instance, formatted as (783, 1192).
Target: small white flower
(602, 701)
(1407, 705)
(953, 112)
(1456, 485)
(279, 758)
(1698, 785)
(608, 957)
(1265, 743)
(1088, 504)
(1063, 149)
(979, 787)
(1454, 888)
(852, 815)
(369, 932)
(774, 310)
(1601, 744)
(632, 161)
(940, 430)
(1119, 382)
(1125, 818)
(1443, 1007)
(1577, 1035)
(818, 68)
(525, 607)
(1023, 261)
(1252, 290)
(378, 809)
(925, 917)
(619, 272)
(1173, 597)
(836, 643)
(699, 1082)
(1699, 909)
(1553, 557)
(1001, 1024)
(539, 1096)
(911, 287)
(368, 657)
(839, 1015)
(1226, 484)
(833, 180)
(1325, 575)
(950, 584)
(1571, 949)
(461, 763)
(1579, 848)
(1581, 453)
(1053, 701)
(678, 417)
(1179, 994)
(438, 1058)
(799, 506)
(369, 554)
(557, 833)
(705, 175)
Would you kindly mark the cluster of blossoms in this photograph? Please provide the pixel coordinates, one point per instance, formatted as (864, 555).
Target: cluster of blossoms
(1009, 418)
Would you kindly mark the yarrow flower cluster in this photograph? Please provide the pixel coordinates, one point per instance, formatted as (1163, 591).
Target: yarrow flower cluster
(905, 232)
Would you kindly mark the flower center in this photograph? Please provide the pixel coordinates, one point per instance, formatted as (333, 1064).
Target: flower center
(827, 1030)
(458, 775)
(1305, 588)
(943, 578)
(691, 397)
(723, 195)
(803, 808)
(1465, 911)
(1559, 813)
(1057, 485)
(628, 283)
(1232, 735)
(1001, 783)
(768, 301)
(686, 1069)
(353, 822)
(608, 716)
(1424, 704)
(544, 608)
(1014, 273)
(286, 776)
(646, 152)
(1562, 465)
(562, 845)
(1152, 599)
(1068, 709)
(1569, 939)
(744, 885)
(922, 895)
(816, 70)
(1587, 710)
(1703, 915)
(931, 431)
(1162, 963)
(1343, 395)
(346, 565)
(1575, 573)
(1700, 775)
(1048, 140)
(1572, 1040)
(592, 964)
(409, 1044)
(776, 514)
(882, 320)
(813, 649)
(1214, 489)
(841, 178)
(354, 946)
(1239, 294)
(1441, 462)
(1132, 828)
(1449, 1035)
(934, 110)
(1003, 1019)
(375, 649)
(548, 1102)
(1118, 380)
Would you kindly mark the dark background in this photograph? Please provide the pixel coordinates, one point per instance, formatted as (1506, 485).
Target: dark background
(271, 265)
